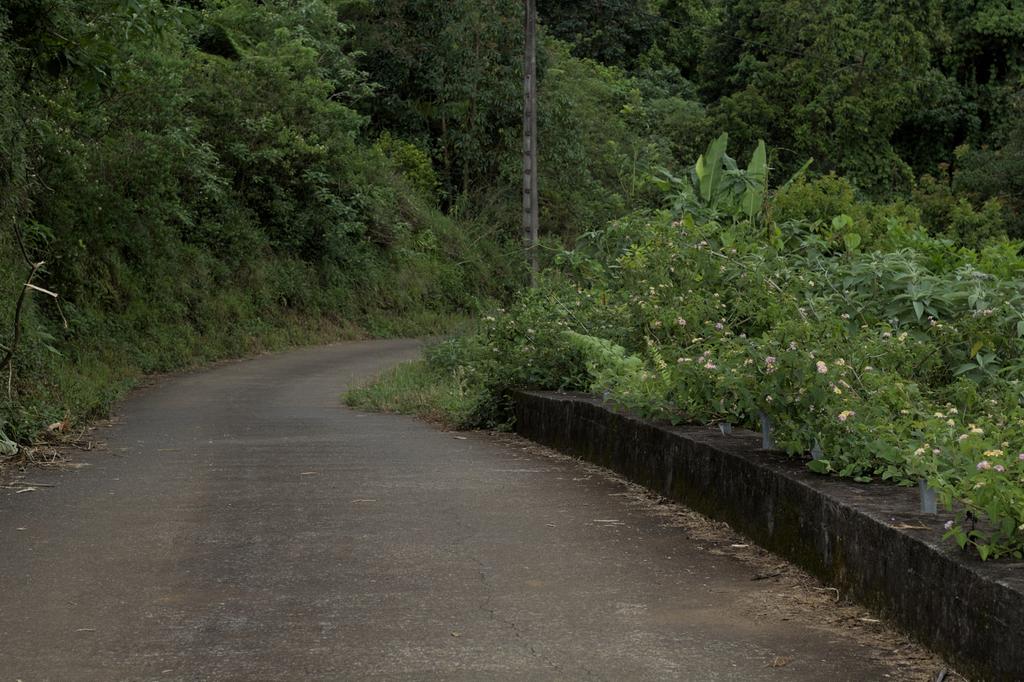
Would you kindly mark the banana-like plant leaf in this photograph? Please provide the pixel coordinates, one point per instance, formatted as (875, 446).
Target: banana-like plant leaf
(757, 174)
(758, 166)
(711, 169)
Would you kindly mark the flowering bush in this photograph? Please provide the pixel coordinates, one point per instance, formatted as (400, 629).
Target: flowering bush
(899, 364)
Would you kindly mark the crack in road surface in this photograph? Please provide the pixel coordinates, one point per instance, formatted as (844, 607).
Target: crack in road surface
(251, 528)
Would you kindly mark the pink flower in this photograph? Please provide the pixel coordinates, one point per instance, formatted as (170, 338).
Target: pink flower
(719, 326)
(1000, 468)
(984, 465)
(948, 525)
(822, 367)
(710, 365)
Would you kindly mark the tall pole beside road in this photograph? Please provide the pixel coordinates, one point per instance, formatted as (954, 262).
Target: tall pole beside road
(531, 198)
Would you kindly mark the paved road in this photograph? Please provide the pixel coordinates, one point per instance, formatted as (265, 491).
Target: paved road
(250, 528)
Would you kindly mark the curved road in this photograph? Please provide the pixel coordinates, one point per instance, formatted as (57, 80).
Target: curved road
(242, 525)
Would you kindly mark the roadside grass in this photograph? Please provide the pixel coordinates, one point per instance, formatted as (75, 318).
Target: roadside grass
(418, 389)
(80, 386)
(83, 382)
(416, 323)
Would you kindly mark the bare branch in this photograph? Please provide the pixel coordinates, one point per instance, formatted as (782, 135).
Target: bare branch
(18, 309)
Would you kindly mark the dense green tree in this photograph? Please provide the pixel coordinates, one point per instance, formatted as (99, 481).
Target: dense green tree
(985, 55)
(449, 78)
(199, 182)
(12, 162)
(614, 32)
(273, 119)
(996, 172)
(975, 107)
(450, 81)
(831, 81)
(682, 33)
(593, 158)
(977, 52)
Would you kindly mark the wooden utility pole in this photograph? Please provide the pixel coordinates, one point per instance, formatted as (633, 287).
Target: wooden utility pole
(531, 197)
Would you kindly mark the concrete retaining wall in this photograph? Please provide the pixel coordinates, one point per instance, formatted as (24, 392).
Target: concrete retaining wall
(867, 540)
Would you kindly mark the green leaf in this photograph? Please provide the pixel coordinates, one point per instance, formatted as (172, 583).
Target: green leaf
(758, 166)
(963, 369)
(712, 171)
(819, 466)
(757, 173)
(841, 222)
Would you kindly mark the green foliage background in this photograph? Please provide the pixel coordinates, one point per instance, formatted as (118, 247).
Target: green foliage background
(206, 178)
(201, 185)
(897, 355)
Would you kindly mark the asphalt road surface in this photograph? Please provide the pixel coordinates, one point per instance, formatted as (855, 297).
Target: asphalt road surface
(242, 524)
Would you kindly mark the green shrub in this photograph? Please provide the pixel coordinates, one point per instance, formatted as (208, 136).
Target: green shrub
(993, 176)
(955, 216)
(420, 389)
(200, 185)
(413, 162)
(900, 365)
